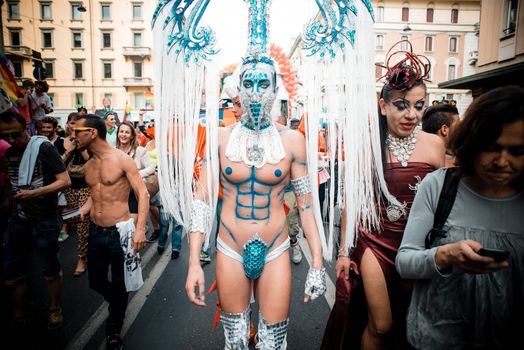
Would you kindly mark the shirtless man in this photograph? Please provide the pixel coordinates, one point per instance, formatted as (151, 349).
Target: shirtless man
(110, 175)
(258, 159)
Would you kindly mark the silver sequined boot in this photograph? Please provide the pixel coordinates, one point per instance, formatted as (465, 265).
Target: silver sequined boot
(272, 336)
(236, 329)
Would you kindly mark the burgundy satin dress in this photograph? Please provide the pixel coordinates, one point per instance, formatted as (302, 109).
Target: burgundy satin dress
(349, 315)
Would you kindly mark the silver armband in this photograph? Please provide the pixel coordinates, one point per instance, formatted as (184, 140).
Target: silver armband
(302, 185)
(200, 216)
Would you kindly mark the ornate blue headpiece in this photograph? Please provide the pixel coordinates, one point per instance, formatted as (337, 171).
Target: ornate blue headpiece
(335, 29)
(322, 37)
(258, 32)
(182, 51)
(188, 40)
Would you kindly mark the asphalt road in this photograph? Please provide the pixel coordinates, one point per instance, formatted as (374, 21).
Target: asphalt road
(159, 315)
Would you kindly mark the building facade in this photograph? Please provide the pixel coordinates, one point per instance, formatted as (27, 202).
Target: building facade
(90, 49)
(446, 32)
(501, 48)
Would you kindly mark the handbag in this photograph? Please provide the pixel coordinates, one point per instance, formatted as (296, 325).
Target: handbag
(152, 184)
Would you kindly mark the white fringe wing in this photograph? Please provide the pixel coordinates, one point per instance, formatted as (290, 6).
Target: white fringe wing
(345, 84)
(179, 93)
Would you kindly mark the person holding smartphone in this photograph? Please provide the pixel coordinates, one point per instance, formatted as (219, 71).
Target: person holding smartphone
(469, 284)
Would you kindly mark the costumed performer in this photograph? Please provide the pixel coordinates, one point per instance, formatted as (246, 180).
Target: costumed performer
(258, 159)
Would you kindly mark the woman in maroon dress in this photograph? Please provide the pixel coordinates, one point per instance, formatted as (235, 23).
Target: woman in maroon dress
(408, 155)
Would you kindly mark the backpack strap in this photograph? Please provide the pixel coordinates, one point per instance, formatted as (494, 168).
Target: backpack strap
(445, 203)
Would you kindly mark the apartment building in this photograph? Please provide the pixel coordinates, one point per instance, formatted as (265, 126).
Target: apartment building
(446, 32)
(501, 48)
(443, 31)
(90, 49)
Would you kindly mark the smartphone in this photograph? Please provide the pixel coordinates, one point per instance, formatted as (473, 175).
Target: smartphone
(497, 254)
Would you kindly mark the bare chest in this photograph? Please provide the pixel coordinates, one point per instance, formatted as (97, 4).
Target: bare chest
(104, 173)
(238, 173)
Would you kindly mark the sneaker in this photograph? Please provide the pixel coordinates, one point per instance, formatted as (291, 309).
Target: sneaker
(154, 236)
(175, 254)
(296, 254)
(55, 319)
(62, 236)
(114, 342)
(205, 258)
(160, 250)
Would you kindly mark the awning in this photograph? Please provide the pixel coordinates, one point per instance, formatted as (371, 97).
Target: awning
(485, 81)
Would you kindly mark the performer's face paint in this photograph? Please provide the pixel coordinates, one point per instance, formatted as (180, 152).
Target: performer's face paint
(257, 94)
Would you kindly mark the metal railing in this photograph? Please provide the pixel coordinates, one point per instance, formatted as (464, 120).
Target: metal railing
(141, 51)
(138, 81)
(18, 50)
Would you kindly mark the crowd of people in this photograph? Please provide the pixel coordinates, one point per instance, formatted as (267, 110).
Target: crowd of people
(59, 183)
(462, 288)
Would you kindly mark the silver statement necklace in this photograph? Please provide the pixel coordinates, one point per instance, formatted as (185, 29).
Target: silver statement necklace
(402, 147)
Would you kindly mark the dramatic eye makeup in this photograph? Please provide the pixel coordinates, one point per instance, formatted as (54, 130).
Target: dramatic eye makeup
(404, 104)
(419, 105)
(400, 104)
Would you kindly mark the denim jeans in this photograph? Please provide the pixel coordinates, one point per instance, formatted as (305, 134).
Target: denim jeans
(19, 236)
(104, 250)
(176, 234)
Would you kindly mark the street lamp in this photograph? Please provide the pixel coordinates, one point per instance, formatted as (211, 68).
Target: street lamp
(407, 28)
(81, 8)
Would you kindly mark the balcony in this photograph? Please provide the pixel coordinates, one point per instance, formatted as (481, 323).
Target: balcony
(473, 57)
(138, 82)
(137, 51)
(22, 51)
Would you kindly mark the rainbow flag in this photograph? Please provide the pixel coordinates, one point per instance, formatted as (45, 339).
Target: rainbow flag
(8, 81)
(127, 112)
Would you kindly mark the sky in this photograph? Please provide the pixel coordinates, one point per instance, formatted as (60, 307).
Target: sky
(229, 20)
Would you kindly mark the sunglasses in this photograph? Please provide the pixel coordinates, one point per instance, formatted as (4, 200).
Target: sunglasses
(11, 135)
(82, 128)
(444, 102)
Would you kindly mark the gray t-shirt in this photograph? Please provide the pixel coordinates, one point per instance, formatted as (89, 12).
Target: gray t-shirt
(39, 113)
(458, 310)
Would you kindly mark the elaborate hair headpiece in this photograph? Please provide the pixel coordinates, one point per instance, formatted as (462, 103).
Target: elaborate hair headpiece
(408, 69)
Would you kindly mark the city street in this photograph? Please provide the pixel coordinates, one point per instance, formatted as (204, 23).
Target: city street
(159, 315)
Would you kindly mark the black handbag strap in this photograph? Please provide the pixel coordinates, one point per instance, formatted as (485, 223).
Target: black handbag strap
(445, 203)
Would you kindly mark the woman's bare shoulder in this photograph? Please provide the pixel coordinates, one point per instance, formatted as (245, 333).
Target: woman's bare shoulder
(434, 149)
(429, 138)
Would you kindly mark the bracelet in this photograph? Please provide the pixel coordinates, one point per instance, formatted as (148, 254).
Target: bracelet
(302, 185)
(200, 216)
(342, 252)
